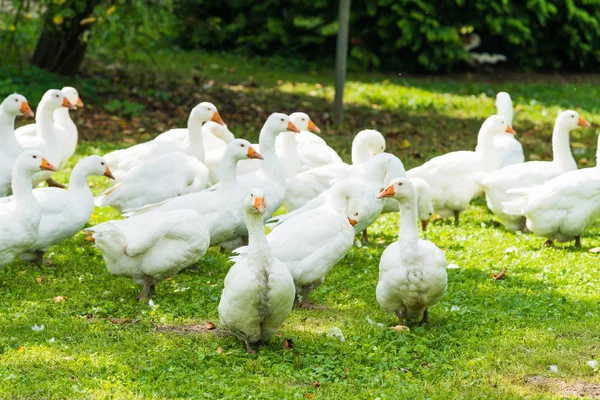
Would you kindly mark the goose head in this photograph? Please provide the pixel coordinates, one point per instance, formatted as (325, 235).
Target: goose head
(345, 194)
(254, 203)
(424, 203)
(55, 99)
(17, 104)
(402, 189)
(73, 96)
(204, 112)
(303, 122)
(367, 143)
(97, 166)
(219, 131)
(504, 106)
(494, 125)
(279, 122)
(33, 161)
(570, 120)
(240, 149)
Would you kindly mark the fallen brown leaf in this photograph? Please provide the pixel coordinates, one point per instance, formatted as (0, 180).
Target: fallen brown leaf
(309, 395)
(40, 279)
(316, 384)
(287, 344)
(59, 299)
(499, 275)
(21, 349)
(220, 350)
(400, 328)
(210, 326)
(119, 321)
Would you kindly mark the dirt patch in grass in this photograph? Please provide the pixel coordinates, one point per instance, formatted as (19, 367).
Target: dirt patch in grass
(197, 329)
(564, 388)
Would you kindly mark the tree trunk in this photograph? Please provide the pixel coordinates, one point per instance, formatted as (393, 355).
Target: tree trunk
(60, 48)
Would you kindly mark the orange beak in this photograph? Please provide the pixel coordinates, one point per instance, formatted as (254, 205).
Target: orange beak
(26, 110)
(47, 166)
(387, 192)
(510, 130)
(254, 154)
(217, 118)
(313, 127)
(79, 102)
(109, 174)
(291, 127)
(352, 221)
(259, 204)
(583, 122)
(67, 103)
(424, 225)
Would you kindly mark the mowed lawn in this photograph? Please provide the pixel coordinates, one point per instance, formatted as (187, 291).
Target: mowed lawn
(487, 338)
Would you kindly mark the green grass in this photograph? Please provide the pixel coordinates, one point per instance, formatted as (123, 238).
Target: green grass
(486, 337)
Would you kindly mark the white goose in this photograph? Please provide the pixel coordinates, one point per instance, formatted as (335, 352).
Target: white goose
(48, 135)
(303, 187)
(312, 150)
(221, 210)
(121, 162)
(507, 146)
(311, 243)
(20, 214)
(424, 203)
(64, 123)
(151, 247)
(65, 212)
(11, 107)
(561, 208)
(370, 177)
(449, 175)
(258, 293)
(412, 272)
(498, 183)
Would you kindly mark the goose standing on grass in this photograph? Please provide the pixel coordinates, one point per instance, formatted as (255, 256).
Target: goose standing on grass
(497, 184)
(48, 135)
(424, 203)
(65, 212)
(303, 187)
(562, 208)
(507, 146)
(151, 247)
(412, 272)
(20, 214)
(448, 175)
(11, 107)
(221, 210)
(215, 136)
(311, 243)
(121, 162)
(63, 122)
(258, 293)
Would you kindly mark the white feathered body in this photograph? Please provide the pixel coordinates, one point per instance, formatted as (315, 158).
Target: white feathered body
(19, 224)
(509, 149)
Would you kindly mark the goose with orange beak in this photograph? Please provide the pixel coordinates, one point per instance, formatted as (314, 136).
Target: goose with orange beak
(509, 183)
(259, 291)
(311, 243)
(20, 214)
(65, 212)
(13, 106)
(412, 271)
(122, 162)
(450, 176)
(507, 146)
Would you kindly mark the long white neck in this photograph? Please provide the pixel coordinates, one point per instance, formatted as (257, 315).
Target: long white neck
(79, 180)
(374, 172)
(258, 247)
(288, 153)
(408, 236)
(8, 141)
(227, 171)
(63, 118)
(21, 187)
(486, 151)
(44, 119)
(196, 139)
(271, 166)
(360, 150)
(561, 148)
(338, 200)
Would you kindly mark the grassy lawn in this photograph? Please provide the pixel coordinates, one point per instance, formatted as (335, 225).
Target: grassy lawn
(487, 338)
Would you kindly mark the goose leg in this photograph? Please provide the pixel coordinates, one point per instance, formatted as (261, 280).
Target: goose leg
(249, 349)
(39, 258)
(548, 243)
(456, 212)
(425, 319)
(578, 242)
(151, 291)
(306, 303)
(365, 236)
(53, 183)
(145, 290)
(400, 318)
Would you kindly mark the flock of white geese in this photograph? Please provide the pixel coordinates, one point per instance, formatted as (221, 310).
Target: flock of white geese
(196, 187)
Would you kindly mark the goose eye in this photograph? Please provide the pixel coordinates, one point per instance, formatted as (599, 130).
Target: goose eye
(57, 96)
(16, 100)
(399, 183)
(281, 119)
(101, 163)
(356, 214)
(34, 156)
